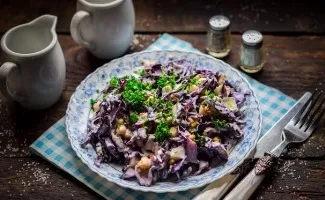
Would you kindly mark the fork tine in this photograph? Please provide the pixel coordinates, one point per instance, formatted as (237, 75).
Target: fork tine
(304, 112)
(312, 124)
(303, 123)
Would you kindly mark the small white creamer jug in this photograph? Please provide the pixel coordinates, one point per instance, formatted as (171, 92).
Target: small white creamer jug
(33, 69)
(104, 27)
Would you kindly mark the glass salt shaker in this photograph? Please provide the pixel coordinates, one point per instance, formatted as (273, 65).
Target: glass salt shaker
(218, 38)
(251, 53)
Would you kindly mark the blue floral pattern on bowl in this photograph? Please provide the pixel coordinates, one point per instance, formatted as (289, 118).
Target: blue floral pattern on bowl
(79, 109)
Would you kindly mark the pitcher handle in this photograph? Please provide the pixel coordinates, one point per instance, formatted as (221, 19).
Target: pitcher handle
(75, 30)
(5, 69)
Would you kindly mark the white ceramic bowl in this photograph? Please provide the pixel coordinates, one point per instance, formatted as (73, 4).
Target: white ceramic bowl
(79, 109)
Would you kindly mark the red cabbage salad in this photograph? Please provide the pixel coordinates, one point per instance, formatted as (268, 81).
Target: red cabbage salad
(166, 122)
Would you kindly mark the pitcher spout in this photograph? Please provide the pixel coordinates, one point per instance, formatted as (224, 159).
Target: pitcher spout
(46, 21)
(35, 38)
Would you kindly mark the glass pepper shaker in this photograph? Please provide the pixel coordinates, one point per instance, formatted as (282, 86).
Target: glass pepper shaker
(218, 38)
(251, 52)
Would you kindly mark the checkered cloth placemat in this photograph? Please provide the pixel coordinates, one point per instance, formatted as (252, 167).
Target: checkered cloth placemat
(55, 147)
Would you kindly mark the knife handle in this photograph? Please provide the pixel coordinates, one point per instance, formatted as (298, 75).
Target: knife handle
(246, 187)
(253, 179)
(217, 189)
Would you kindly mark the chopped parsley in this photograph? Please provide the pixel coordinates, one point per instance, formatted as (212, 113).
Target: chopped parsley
(199, 140)
(167, 80)
(133, 118)
(209, 94)
(160, 104)
(133, 93)
(193, 81)
(93, 101)
(142, 72)
(114, 82)
(212, 95)
(220, 123)
(162, 131)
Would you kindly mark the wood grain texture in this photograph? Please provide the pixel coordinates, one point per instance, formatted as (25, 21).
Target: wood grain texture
(274, 16)
(294, 65)
(292, 179)
(34, 178)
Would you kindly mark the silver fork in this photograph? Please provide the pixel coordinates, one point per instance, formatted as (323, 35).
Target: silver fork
(298, 130)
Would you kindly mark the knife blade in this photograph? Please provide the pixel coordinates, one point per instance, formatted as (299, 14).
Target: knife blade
(216, 190)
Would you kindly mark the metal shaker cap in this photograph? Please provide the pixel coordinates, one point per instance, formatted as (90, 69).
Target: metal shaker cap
(252, 38)
(219, 22)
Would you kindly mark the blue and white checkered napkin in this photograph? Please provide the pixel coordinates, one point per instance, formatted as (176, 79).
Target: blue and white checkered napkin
(54, 144)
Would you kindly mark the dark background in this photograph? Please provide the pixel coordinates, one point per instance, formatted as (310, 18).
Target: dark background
(178, 16)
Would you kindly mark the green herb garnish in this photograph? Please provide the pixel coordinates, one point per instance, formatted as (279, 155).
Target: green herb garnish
(209, 94)
(160, 104)
(133, 93)
(199, 140)
(162, 81)
(114, 82)
(133, 118)
(162, 131)
(167, 80)
(193, 81)
(212, 95)
(220, 123)
(93, 101)
(142, 72)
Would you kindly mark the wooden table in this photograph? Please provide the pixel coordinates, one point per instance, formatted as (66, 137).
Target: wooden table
(295, 55)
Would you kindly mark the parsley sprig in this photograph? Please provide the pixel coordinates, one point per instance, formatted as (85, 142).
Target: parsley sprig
(220, 123)
(162, 131)
(133, 118)
(166, 80)
(93, 101)
(159, 104)
(114, 82)
(133, 93)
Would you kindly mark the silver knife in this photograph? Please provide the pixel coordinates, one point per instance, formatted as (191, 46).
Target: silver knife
(271, 139)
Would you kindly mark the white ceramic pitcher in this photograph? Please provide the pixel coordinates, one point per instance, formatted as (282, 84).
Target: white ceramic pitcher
(104, 27)
(33, 71)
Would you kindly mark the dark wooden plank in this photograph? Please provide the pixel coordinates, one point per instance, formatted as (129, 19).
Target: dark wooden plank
(33, 178)
(274, 16)
(294, 65)
(288, 181)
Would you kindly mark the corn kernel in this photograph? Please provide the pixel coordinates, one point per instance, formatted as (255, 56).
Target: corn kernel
(216, 139)
(194, 88)
(121, 130)
(192, 137)
(144, 163)
(171, 162)
(127, 134)
(169, 119)
(197, 77)
(173, 131)
(96, 106)
(194, 124)
(190, 119)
